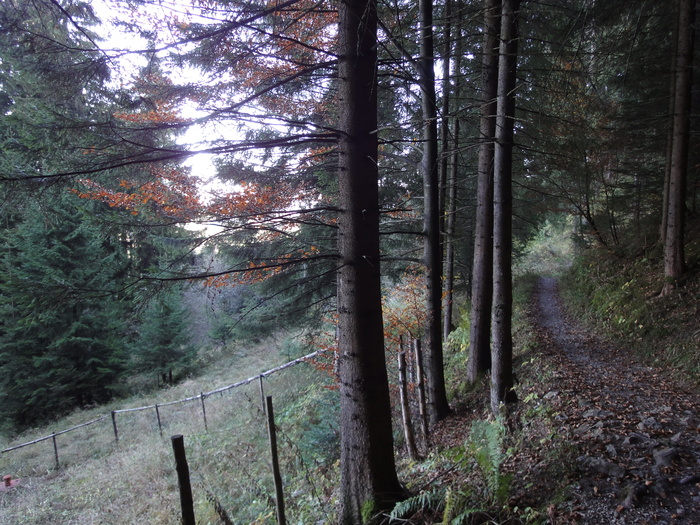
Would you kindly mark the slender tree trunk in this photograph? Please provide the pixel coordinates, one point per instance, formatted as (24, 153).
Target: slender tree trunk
(435, 374)
(674, 245)
(450, 228)
(368, 474)
(669, 140)
(451, 198)
(406, 408)
(444, 171)
(445, 111)
(482, 270)
(502, 308)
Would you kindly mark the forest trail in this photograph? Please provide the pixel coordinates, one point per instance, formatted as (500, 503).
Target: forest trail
(635, 432)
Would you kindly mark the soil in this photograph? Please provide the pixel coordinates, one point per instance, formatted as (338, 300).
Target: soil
(632, 433)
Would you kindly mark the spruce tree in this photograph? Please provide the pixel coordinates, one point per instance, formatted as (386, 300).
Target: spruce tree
(61, 337)
(163, 347)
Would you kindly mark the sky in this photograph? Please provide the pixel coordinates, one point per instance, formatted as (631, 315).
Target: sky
(118, 41)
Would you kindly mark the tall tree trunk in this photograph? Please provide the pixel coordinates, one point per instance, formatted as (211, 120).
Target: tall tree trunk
(435, 374)
(482, 270)
(368, 474)
(669, 140)
(502, 308)
(674, 245)
(450, 228)
(452, 152)
(444, 170)
(445, 111)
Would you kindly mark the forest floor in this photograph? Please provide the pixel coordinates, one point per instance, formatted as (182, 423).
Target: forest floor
(623, 439)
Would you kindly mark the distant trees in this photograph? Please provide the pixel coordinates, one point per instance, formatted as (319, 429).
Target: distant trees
(163, 347)
(596, 118)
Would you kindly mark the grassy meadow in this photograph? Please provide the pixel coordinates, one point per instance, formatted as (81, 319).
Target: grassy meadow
(134, 481)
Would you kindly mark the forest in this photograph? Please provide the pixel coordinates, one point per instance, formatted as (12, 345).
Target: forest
(181, 179)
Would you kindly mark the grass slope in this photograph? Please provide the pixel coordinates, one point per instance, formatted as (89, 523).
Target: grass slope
(134, 481)
(618, 296)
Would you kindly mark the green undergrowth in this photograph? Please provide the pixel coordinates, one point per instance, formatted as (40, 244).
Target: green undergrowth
(495, 470)
(618, 296)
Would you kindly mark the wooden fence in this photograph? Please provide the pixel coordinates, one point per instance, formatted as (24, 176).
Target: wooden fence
(156, 408)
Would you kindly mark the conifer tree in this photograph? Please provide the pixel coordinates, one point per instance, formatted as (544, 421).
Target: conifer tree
(163, 346)
(61, 338)
(369, 482)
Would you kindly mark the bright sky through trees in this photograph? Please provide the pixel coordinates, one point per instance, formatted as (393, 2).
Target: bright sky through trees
(124, 41)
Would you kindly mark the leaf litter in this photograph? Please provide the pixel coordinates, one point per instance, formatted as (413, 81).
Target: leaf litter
(622, 442)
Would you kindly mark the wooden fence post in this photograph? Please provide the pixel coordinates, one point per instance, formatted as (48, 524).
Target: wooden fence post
(160, 426)
(421, 389)
(55, 448)
(405, 408)
(262, 392)
(183, 479)
(281, 520)
(114, 425)
(204, 411)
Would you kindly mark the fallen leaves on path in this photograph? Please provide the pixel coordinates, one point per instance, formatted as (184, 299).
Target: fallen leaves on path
(632, 434)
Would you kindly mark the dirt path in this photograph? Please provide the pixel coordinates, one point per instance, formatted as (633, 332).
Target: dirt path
(636, 433)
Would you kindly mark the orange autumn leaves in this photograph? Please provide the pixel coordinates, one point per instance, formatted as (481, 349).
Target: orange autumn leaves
(168, 192)
(173, 193)
(403, 308)
(258, 202)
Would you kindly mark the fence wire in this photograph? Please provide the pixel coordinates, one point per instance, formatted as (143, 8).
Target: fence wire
(227, 443)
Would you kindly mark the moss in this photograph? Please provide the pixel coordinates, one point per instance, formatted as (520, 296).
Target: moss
(368, 511)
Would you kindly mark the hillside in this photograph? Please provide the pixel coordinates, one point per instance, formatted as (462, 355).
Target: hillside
(133, 480)
(600, 436)
(605, 430)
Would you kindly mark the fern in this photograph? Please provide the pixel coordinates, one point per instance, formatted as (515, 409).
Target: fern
(464, 516)
(486, 443)
(457, 510)
(430, 500)
(450, 503)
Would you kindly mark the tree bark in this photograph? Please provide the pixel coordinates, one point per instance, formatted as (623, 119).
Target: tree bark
(445, 178)
(669, 141)
(368, 474)
(482, 272)
(445, 111)
(502, 308)
(406, 408)
(438, 406)
(674, 243)
(450, 228)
